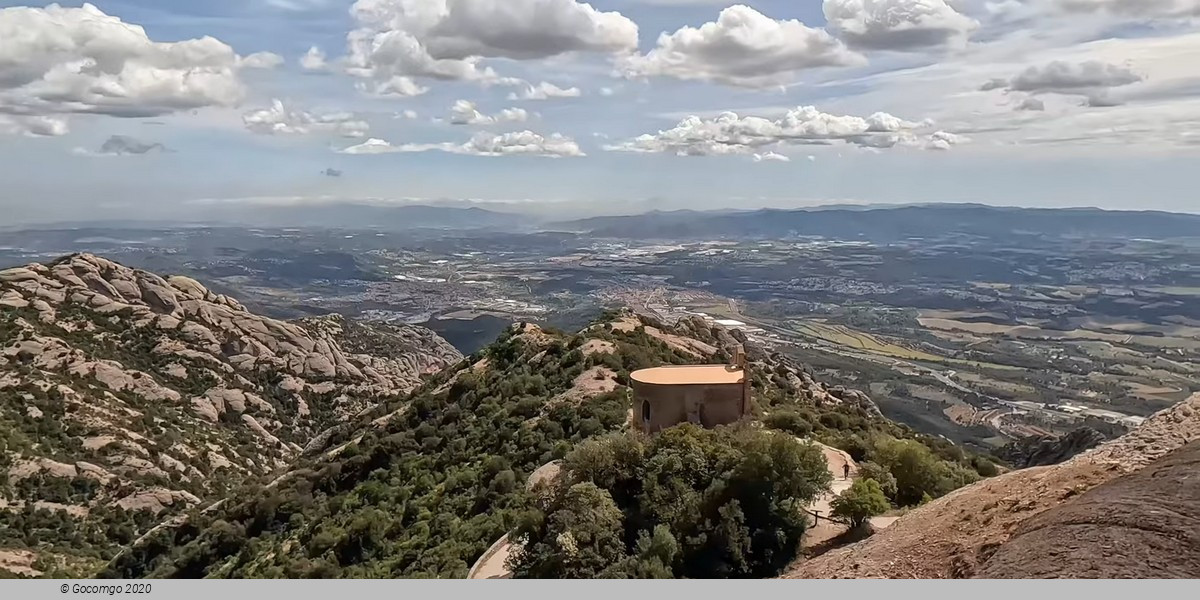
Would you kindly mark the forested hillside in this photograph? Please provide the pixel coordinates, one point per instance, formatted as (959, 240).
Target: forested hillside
(421, 487)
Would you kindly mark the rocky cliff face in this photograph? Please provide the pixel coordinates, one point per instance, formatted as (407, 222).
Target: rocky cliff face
(125, 396)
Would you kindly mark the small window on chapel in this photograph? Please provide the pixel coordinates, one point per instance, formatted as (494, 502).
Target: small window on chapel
(645, 411)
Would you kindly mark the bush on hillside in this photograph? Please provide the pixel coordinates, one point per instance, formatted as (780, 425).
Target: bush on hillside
(881, 476)
(863, 500)
(918, 472)
(695, 503)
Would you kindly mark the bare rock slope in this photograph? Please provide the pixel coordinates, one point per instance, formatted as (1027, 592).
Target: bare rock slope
(1142, 525)
(124, 395)
(957, 535)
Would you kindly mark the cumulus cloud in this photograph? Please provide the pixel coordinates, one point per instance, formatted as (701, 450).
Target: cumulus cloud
(545, 91)
(903, 25)
(408, 114)
(403, 87)
(1092, 79)
(33, 126)
(483, 144)
(371, 146)
(261, 60)
(742, 47)
(465, 112)
(448, 39)
(123, 145)
(771, 157)
(1059, 76)
(57, 60)
(942, 140)
(314, 60)
(730, 133)
(280, 119)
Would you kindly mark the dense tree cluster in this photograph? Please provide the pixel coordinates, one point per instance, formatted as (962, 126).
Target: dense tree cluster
(686, 503)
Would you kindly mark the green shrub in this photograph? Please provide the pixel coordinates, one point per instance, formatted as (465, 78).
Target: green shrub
(696, 503)
(863, 500)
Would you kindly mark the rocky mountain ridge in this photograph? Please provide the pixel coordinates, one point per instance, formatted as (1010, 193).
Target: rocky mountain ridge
(125, 396)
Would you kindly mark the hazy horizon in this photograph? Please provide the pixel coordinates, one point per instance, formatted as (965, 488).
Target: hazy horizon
(240, 215)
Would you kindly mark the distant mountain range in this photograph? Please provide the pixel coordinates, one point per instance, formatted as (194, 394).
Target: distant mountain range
(892, 223)
(371, 216)
(334, 216)
(880, 223)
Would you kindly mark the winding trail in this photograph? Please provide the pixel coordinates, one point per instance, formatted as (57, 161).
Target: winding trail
(492, 565)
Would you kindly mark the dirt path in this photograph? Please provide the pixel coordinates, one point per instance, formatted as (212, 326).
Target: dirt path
(492, 564)
(822, 530)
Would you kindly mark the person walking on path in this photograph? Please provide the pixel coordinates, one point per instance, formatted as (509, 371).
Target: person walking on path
(845, 470)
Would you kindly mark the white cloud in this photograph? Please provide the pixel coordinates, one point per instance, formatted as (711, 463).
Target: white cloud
(280, 119)
(465, 112)
(35, 126)
(1060, 76)
(261, 60)
(771, 157)
(898, 24)
(522, 142)
(730, 133)
(314, 60)
(545, 91)
(80, 60)
(742, 47)
(942, 140)
(448, 39)
(1151, 120)
(483, 144)
(403, 87)
(123, 145)
(1091, 79)
(371, 146)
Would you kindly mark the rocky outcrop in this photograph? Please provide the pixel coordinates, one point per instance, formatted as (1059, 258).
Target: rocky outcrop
(955, 536)
(1045, 451)
(1145, 525)
(162, 394)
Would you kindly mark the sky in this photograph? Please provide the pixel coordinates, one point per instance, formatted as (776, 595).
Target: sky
(163, 109)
